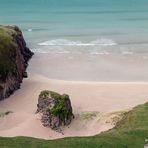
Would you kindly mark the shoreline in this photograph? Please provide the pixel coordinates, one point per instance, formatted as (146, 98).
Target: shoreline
(95, 82)
(85, 67)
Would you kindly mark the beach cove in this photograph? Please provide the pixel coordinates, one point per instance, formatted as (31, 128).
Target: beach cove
(85, 62)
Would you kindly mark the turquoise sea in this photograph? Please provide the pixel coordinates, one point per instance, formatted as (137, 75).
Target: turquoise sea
(93, 27)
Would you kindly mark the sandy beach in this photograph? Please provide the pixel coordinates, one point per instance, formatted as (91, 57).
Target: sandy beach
(100, 97)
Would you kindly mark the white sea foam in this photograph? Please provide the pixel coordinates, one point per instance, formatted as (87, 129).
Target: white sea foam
(29, 30)
(68, 46)
(99, 53)
(127, 52)
(37, 50)
(64, 42)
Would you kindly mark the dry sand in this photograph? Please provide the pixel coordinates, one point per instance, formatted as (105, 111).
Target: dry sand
(102, 97)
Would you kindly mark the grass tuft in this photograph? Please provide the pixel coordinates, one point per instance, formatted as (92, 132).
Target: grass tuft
(88, 115)
(2, 114)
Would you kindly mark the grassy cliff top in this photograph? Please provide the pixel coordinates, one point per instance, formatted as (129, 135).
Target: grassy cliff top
(7, 30)
(131, 132)
(7, 49)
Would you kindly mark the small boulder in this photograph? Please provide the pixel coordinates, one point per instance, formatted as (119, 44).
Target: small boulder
(56, 109)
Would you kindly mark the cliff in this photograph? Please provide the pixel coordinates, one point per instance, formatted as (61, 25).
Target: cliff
(14, 57)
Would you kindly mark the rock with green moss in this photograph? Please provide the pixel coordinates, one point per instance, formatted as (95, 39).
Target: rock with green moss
(56, 109)
(14, 57)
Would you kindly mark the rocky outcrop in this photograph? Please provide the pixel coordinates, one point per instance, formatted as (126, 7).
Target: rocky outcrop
(56, 109)
(14, 57)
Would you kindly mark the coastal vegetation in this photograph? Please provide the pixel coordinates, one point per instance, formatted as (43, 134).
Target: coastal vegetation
(7, 50)
(46, 93)
(2, 114)
(88, 115)
(130, 132)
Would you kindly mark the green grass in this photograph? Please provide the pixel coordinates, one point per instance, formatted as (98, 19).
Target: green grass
(7, 50)
(2, 114)
(46, 93)
(131, 132)
(88, 115)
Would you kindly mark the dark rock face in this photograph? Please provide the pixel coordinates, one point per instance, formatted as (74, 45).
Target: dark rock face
(56, 109)
(13, 51)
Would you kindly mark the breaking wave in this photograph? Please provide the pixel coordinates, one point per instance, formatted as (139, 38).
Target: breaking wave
(64, 42)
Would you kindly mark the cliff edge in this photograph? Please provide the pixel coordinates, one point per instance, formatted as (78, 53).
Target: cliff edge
(14, 57)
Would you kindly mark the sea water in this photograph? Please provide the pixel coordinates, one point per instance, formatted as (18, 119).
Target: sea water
(108, 38)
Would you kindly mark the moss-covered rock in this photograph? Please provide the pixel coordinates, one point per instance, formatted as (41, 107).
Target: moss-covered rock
(56, 109)
(14, 56)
